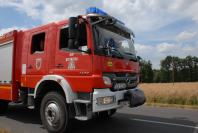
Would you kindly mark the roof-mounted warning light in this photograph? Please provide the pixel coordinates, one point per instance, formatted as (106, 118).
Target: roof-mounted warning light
(95, 10)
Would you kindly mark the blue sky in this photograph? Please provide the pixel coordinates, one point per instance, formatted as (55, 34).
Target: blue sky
(12, 18)
(162, 27)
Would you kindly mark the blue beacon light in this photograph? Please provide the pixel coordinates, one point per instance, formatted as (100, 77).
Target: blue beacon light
(95, 10)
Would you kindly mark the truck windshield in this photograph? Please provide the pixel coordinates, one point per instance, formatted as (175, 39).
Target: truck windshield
(110, 40)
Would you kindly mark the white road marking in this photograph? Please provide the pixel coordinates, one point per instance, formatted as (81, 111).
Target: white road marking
(165, 123)
(196, 129)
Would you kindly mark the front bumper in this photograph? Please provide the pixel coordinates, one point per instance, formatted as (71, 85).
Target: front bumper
(135, 97)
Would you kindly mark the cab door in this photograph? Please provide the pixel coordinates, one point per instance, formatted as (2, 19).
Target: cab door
(73, 63)
(37, 61)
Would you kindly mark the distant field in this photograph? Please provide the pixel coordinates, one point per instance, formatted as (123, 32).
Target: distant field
(169, 93)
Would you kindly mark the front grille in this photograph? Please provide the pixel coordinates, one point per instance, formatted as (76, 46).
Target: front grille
(125, 74)
(130, 79)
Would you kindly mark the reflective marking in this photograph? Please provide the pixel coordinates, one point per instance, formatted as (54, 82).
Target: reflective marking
(165, 123)
(9, 87)
(24, 67)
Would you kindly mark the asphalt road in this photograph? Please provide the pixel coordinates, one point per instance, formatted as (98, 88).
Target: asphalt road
(137, 120)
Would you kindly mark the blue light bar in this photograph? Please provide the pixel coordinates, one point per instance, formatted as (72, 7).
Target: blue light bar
(95, 10)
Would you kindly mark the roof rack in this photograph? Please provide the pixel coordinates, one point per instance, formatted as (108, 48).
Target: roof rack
(7, 37)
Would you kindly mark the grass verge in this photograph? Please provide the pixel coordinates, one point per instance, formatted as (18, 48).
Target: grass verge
(177, 94)
(4, 130)
(172, 105)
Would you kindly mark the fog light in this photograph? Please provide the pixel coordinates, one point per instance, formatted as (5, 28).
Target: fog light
(106, 100)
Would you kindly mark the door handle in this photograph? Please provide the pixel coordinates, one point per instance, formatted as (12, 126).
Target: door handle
(59, 65)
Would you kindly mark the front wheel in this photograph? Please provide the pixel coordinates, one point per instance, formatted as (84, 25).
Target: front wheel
(54, 113)
(3, 106)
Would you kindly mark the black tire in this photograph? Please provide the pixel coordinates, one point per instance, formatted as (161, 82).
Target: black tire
(54, 113)
(106, 114)
(3, 106)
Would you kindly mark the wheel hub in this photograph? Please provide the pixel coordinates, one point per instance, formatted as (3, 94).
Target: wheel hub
(52, 114)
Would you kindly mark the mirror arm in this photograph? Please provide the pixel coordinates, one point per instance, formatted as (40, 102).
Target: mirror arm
(88, 51)
(73, 24)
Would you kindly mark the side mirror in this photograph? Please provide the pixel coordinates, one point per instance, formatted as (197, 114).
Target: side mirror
(139, 58)
(85, 49)
(73, 27)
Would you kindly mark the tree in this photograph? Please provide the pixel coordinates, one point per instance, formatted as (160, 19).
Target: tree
(177, 69)
(172, 69)
(146, 71)
(156, 76)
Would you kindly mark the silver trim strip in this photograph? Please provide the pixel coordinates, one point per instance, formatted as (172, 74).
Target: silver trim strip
(70, 95)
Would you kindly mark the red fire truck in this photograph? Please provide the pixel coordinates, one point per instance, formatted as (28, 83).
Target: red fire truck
(80, 68)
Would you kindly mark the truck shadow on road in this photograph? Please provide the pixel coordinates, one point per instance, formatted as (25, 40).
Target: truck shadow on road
(23, 115)
(119, 123)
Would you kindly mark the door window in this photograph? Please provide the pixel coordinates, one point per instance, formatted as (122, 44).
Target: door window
(38, 43)
(63, 43)
(81, 38)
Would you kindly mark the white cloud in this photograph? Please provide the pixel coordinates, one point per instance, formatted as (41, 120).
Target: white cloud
(185, 35)
(6, 30)
(2, 31)
(157, 52)
(30, 7)
(143, 48)
(192, 11)
(167, 47)
(140, 15)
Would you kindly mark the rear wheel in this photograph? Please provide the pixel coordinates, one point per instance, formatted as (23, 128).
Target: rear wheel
(54, 113)
(3, 106)
(106, 114)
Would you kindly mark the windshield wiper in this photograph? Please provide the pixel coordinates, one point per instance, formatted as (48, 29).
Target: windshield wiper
(99, 21)
(118, 53)
(129, 53)
(133, 58)
(107, 20)
(113, 52)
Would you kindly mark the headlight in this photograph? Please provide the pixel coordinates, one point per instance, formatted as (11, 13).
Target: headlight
(106, 100)
(107, 80)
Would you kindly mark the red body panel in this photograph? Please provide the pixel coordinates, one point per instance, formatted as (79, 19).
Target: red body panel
(6, 92)
(10, 92)
(88, 67)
